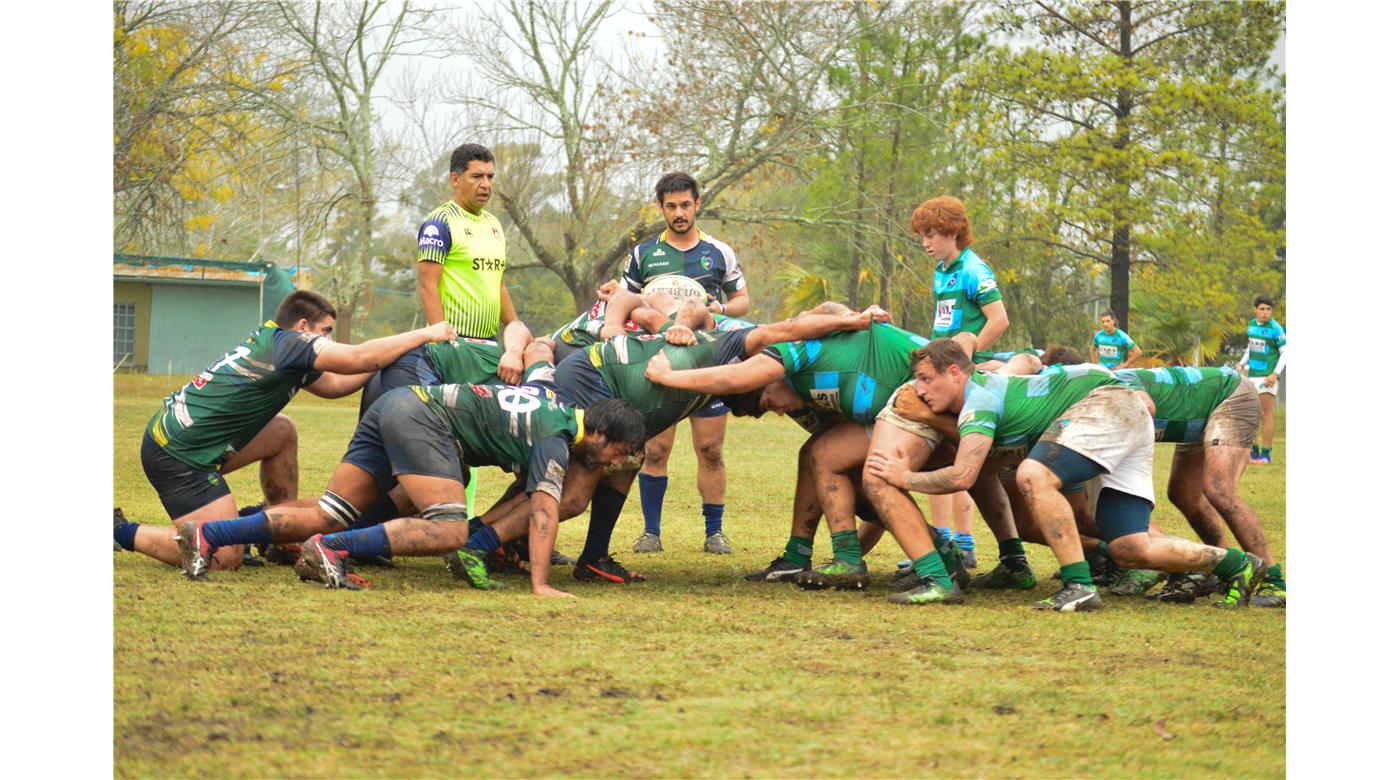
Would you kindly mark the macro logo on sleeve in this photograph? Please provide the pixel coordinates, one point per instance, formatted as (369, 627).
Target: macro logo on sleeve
(430, 237)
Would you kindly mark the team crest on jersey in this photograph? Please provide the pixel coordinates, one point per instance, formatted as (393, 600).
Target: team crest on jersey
(705, 262)
(467, 231)
(659, 252)
(952, 282)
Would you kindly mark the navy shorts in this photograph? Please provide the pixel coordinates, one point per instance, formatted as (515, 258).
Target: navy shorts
(562, 350)
(182, 488)
(578, 383)
(411, 368)
(400, 434)
(715, 408)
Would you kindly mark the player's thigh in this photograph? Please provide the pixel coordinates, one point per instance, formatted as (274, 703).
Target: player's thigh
(274, 438)
(707, 433)
(658, 447)
(1187, 479)
(842, 448)
(222, 508)
(427, 492)
(358, 488)
(913, 450)
(1222, 468)
(186, 492)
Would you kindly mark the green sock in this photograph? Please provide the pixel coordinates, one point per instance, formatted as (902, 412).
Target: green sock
(1233, 563)
(948, 551)
(1265, 450)
(1077, 572)
(930, 566)
(1254, 450)
(1102, 549)
(1009, 547)
(1274, 576)
(846, 547)
(799, 551)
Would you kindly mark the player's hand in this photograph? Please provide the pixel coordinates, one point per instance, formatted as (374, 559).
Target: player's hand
(1271, 380)
(511, 367)
(680, 335)
(548, 592)
(606, 290)
(715, 307)
(442, 331)
(885, 466)
(659, 367)
(876, 314)
(910, 406)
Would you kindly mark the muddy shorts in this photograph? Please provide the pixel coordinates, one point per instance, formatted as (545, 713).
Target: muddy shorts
(182, 488)
(889, 415)
(400, 434)
(1112, 428)
(1231, 424)
(1258, 382)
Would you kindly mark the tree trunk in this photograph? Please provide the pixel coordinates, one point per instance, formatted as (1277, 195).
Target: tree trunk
(1122, 228)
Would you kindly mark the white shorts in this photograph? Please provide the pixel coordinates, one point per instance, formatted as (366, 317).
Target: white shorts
(1111, 427)
(890, 414)
(1258, 382)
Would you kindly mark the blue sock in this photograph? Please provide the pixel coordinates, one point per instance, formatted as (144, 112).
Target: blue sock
(362, 543)
(125, 535)
(653, 490)
(484, 539)
(714, 518)
(962, 540)
(252, 529)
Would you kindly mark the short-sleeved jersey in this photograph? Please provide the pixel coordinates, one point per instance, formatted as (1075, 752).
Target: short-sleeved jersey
(465, 361)
(1113, 349)
(711, 262)
(521, 429)
(1014, 410)
(472, 251)
(583, 330)
(960, 290)
(1184, 397)
(852, 373)
(622, 362)
(1265, 341)
(218, 412)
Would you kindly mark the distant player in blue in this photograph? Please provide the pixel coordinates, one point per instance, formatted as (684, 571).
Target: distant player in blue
(1113, 348)
(1263, 365)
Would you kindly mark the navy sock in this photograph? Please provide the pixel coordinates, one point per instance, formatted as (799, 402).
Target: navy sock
(383, 511)
(602, 519)
(252, 529)
(963, 541)
(125, 535)
(714, 518)
(653, 490)
(474, 524)
(364, 543)
(484, 539)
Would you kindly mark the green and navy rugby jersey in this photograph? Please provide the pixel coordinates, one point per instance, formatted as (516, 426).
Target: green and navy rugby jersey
(1184, 397)
(218, 412)
(622, 362)
(472, 251)
(1015, 410)
(960, 290)
(465, 361)
(1266, 344)
(584, 330)
(851, 373)
(711, 262)
(1113, 349)
(521, 429)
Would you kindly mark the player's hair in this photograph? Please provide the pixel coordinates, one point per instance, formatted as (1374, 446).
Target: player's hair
(617, 421)
(302, 305)
(946, 216)
(1108, 313)
(463, 156)
(1264, 299)
(744, 404)
(943, 353)
(676, 181)
(1066, 355)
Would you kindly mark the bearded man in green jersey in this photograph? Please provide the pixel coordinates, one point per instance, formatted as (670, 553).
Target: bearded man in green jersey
(1211, 414)
(229, 417)
(1084, 424)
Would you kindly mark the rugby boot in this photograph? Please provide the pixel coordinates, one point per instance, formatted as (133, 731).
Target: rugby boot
(1240, 588)
(557, 558)
(969, 559)
(904, 579)
(1005, 577)
(647, 543)
(835, 574)
(195, 553)
(606, 569)
(1135, 582)
(118, 520)
(717, 543)
(780, 570)
(952, 560)
(1073, 597)
(320, 563)
(470, 565)
(1185, 588)
(1273, 593)
(281, 554)
(506, 560)
(928, 591)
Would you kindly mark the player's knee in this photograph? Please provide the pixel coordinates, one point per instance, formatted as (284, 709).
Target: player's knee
(657, 454)
(446, 512)
(539, 349)
(1221, 495)
(336, 512)
(284, 432)
(1131, 551)
(711, 454)
(1032, 477)
(1182, 495)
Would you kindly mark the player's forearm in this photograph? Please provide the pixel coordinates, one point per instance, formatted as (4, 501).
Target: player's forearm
(339, 385)
(951, 479)
(507, 306)
(737, 305)
(997, 323)
(515, 336)
(544, 528)
(377, 353)
(1282, 356)
(428, 292)
(620, 307)
(811, 326)
(719, 380)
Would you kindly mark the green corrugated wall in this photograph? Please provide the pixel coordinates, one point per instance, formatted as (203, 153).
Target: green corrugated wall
(192, 326)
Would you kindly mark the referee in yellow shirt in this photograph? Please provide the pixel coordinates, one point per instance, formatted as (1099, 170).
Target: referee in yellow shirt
(462, 263)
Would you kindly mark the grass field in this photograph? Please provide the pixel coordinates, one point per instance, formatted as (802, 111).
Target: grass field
(693, 673)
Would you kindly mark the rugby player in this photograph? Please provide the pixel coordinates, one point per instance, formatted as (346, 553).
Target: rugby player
(683, 249)
(1087, 425)
(1110, 344)
(1212, 414)
(1264, 361)
(229, 417)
